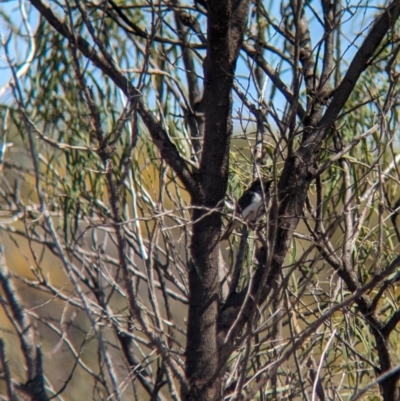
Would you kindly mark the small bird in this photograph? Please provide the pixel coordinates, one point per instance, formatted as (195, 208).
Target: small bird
(250, 206)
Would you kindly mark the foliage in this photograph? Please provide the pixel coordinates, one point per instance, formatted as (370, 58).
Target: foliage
(114, 192)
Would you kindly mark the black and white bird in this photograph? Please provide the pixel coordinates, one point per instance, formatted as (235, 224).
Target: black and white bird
(250, 206)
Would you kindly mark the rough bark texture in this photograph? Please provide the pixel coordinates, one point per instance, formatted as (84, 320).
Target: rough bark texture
(226, 23)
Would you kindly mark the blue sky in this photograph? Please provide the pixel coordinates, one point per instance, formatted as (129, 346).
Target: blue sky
(353, 30)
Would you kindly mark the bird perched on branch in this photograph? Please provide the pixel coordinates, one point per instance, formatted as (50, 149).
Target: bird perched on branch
(250, 206)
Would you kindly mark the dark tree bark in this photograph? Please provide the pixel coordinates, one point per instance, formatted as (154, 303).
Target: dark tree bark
(225, 28)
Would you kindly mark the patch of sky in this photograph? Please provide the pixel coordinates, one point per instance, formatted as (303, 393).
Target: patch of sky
(356, 20)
